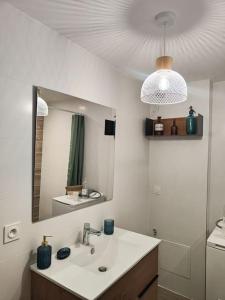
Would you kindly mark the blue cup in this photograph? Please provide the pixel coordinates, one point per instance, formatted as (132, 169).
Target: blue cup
(108, 226)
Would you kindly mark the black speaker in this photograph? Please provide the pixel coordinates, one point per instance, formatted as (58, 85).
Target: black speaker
(110, 127)
(149, 126)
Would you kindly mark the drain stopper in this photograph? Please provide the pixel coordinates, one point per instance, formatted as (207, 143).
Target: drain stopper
(102, 269)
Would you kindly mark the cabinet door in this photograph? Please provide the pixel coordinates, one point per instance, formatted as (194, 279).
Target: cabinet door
(151, 292)
(68, 296)
(42, 289)
(134, 281)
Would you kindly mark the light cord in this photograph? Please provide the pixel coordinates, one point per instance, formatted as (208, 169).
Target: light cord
(164, 38)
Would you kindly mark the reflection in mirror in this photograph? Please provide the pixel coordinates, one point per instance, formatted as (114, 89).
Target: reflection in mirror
(73, 153)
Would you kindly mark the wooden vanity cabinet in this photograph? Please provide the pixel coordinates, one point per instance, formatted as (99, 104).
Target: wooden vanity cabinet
(140, 283)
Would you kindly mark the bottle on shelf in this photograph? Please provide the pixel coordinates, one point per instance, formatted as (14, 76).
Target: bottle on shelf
(158, 127)
(84, 191)
(174, 128)
(191, 123)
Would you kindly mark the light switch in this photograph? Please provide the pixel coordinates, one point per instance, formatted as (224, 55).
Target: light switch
(12, 232)
(156, 190)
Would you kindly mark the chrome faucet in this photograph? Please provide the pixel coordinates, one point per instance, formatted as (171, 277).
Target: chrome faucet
(87, 231)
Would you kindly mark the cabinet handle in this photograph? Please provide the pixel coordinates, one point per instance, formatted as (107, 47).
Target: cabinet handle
(147, 287)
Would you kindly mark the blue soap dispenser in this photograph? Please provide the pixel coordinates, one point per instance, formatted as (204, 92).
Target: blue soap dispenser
(44, 254)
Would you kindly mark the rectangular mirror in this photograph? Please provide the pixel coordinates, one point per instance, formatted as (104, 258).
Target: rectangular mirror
(73, 153)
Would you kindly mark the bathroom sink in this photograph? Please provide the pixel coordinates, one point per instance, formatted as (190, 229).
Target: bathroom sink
(109, 252)
(90, 270)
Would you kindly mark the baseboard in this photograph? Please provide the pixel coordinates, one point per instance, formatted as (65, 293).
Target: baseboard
(172, 294)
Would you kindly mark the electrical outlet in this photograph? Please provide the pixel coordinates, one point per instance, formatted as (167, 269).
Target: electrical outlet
(12, 232)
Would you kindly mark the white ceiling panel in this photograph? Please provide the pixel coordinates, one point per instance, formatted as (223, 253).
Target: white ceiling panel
(123, 32)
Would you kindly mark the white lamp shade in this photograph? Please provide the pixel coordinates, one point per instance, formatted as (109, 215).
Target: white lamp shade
(42, 107)
(164, 86)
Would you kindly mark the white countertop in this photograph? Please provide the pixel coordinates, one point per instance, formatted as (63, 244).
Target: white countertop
(79, 273)
(67, 200)
(217, 237)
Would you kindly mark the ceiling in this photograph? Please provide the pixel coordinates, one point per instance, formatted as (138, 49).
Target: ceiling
(123, 32)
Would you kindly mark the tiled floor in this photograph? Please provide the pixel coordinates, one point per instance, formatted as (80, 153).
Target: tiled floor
(167, 295)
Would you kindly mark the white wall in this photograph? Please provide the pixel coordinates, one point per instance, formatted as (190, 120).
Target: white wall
(217, 174)
(32, 54)
(179, 167)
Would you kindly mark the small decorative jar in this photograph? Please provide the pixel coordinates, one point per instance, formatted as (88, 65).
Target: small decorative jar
(108, 226)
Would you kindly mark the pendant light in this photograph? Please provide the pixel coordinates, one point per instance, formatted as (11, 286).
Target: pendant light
(164, 86)
(42, 106)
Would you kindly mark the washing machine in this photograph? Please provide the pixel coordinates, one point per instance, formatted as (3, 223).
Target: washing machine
(215, 264)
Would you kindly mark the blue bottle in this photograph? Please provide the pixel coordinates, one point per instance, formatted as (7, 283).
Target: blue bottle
(44, 254)
(191, 122)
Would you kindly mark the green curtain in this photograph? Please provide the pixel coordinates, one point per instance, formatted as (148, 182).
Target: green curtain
(76, 158)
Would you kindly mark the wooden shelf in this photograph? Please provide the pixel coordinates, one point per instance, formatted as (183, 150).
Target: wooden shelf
(181, 124)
